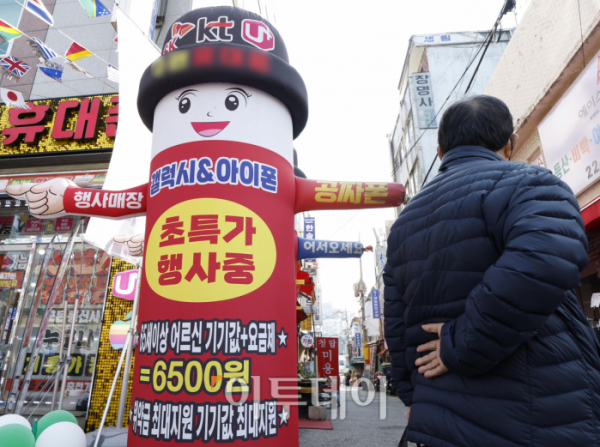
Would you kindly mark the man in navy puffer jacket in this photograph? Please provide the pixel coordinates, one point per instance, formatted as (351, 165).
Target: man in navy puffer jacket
(489, 345)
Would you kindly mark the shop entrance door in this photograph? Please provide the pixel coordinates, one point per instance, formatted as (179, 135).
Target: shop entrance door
(86, 278)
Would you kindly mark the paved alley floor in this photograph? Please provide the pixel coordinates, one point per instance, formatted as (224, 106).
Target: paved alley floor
(362, 425)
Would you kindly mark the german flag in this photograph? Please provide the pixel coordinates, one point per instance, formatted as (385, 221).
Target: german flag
(76, 52)
(8, 31)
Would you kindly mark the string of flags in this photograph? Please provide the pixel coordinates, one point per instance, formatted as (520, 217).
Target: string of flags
(52, 70)
(94, 8)
(42, 51)
(113, 74)
(14, 69)
(13, 98)
(8, 32)
(76, 52)
(37, 8)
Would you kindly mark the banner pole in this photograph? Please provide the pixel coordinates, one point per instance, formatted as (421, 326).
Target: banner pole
(131, 332)
(61, 356)
(68, 356)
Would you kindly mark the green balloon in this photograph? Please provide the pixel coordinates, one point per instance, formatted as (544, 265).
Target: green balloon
(16, 435)
(52, 418)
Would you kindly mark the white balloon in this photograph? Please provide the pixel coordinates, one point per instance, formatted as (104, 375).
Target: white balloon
(62, 434)
(14, 419)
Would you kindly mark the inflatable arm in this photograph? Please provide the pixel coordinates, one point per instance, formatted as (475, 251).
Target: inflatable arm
(60, 197)
(312, 195)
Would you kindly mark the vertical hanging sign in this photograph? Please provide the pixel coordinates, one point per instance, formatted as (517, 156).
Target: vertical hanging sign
(328, 354)
(376, 304)
(422, 97)
(309, 232)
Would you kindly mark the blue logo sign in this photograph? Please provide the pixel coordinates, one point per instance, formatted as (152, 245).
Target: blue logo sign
(358, 340)
(376, 304)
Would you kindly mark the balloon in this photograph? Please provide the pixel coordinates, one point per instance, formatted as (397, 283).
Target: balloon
(14, 419)
(16, 435)
(52, 418)
(62, 434)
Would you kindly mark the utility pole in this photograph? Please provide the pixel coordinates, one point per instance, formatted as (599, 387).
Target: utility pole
(360, 289)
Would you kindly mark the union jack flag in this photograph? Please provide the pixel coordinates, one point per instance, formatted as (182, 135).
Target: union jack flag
(14, 65)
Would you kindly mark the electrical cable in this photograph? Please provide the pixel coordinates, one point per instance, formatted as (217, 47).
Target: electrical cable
(581, 32)
(482, 56)
(420, 136)
(505, 9)
(346, 223)
(440, 109)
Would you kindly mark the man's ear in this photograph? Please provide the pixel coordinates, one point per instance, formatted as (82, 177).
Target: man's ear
(508, 149)
(440, 153)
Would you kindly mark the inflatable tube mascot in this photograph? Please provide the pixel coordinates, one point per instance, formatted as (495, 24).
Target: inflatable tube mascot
(217, 356)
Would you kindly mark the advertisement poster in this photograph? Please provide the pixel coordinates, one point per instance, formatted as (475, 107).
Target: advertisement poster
(63, 224)
(34, 226)
(570, 133)
(11, 280)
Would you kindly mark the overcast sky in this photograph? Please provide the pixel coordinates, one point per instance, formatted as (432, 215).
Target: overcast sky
(350, 54)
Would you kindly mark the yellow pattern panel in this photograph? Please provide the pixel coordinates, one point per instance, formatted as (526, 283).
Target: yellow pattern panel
(108, 358)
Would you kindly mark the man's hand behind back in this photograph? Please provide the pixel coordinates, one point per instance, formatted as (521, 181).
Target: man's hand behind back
(431, 364)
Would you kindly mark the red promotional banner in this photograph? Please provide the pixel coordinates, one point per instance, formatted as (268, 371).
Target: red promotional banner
(328, 357)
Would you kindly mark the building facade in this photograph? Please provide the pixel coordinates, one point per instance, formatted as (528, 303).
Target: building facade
(437, 70)
(549, 76)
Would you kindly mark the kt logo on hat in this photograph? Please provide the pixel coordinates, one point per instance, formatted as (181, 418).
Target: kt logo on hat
(258, 34)
(217, 31)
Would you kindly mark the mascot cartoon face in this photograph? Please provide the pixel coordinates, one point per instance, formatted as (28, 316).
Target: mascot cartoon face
(219, 111)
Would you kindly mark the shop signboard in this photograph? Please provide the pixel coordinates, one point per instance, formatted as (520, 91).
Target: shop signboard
(307, 341)
(306, 324)
(328, 357)
(309, 232)
(59, 125)
(570, 132)
(376, 304)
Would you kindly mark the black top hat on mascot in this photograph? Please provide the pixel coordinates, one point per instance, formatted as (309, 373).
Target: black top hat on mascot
(224, 44)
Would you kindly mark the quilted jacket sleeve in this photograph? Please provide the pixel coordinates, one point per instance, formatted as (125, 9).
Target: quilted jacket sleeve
(394, 334)
(538, 228)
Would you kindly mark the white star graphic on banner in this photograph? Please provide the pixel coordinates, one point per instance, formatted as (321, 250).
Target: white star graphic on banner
(283, 416)
(282, 338)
